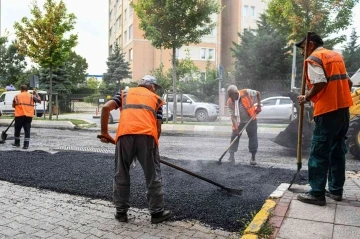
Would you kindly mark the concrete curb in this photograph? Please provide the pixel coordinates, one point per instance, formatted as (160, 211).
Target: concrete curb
(41, 124)
(253, 229)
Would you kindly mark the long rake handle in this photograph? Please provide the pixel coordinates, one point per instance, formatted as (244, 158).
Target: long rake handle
(9, 125)
(234, 140)
(186, 171)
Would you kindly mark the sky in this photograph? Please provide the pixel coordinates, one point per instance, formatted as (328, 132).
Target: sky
(91, 27)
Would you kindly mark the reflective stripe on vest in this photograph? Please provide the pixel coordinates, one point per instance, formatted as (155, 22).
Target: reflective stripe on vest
(139, 108)
(24, 105)
(336, 94)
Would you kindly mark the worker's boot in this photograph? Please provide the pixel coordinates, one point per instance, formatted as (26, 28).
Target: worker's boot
(121, 216)
(232, 157)
(253, 160)
(16, 143)
(26, 145)
(161, 216)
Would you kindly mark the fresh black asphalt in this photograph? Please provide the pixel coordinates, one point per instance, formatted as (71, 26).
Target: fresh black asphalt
(91, 175)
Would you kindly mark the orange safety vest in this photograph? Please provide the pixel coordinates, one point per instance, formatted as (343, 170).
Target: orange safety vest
(139, 113)
(246, 100)
(24, 105)
(336, 94)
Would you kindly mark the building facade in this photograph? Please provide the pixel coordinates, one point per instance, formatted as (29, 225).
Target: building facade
(214, 48)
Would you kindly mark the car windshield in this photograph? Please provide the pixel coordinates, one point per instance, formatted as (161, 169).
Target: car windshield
(194, 98)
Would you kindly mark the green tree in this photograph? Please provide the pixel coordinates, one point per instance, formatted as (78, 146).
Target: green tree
(118, 69)
(172, 24)
(76, 66)
(351, 54)
(162, 79)
(261, 56)
(92, 83)
(45, 38)
(60, 80)
(12, 63)
(294, 18)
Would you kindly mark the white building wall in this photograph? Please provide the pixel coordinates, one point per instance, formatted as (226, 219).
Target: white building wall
(251, 11)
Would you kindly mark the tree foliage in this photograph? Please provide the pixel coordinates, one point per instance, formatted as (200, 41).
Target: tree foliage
(12, 63)
(173, 23)
(61, 80)
(45, 38)
(118, 69)
(294, 18)
(262, 55)
(76, 66)
(92, 83)
(351, 54)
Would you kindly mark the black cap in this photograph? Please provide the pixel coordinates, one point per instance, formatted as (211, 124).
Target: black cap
(313, 37)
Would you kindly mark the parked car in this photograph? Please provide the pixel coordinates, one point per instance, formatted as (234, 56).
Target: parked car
(193, 107)
(114, 116)
(277, 108)
(7, 97)
(167, 114)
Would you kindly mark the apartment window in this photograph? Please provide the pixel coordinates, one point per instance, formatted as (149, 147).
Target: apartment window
(120, 40)
(130, 32)
(110, 15)
(245, 10)
(110, 49)
(118, 22)
(210, 53)
(131, 10)
(252, 13)
(130, 54)
(125, 36)
(177, 53)
(110, 31)
(203, 53)
(125, 14)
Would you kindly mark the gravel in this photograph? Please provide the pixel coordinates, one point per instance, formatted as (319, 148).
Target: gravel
(91, 175)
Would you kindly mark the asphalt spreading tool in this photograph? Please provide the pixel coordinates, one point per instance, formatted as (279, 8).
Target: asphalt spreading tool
(227, 189)
(301, 115)
(4, 134)
(232, 142)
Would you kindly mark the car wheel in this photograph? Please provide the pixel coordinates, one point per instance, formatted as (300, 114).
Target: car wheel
(201, 115)
(39, 115)
(111, 120)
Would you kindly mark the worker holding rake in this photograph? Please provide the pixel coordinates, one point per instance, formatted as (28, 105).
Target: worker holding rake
(137, 137)
(243, 114)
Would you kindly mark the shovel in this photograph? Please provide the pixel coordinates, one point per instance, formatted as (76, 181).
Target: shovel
(4, 134)
(229, 190)
(301, 115)
(232, 142)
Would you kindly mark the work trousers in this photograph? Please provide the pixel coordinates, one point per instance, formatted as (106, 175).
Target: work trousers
(145, 150)
(251, 131)
(22, 122)
(328, 149)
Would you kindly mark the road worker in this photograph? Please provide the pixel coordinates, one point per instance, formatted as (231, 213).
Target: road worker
(137, 138)
(242, 110)
(24, 104)
(329, 91)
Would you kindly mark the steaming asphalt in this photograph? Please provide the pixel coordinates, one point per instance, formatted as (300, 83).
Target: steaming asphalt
(91, 174)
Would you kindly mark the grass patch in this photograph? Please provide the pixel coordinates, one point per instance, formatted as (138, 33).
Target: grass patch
(265, 232)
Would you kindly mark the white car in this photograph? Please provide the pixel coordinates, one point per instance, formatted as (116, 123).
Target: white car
(114, 116)
(277, 108)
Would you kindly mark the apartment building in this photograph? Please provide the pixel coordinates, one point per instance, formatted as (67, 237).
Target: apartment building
(214, 48)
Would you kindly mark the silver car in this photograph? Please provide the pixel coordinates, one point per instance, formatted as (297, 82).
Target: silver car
(277, 108)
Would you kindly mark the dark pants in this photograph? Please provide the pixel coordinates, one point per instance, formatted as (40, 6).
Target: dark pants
(22, 122)
(145, 150)
(251, 131)
(328, 149)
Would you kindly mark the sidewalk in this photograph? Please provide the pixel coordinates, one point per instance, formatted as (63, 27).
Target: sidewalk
(293, 219)
(213, 130)
(32, 213)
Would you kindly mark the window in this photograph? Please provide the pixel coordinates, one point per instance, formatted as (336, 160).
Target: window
(130, 32)
(177, 53)
(269, 102)
(110, 49)
(120, 40)
(130, 54)
(125, 36)
(245, 10)
(210, 54)
(203, 53)
(184, 98)
(285, 102)
(125, 14)
(130, 10)
(110, 31)
(118, 22)
(252, 13)
(110, 15)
